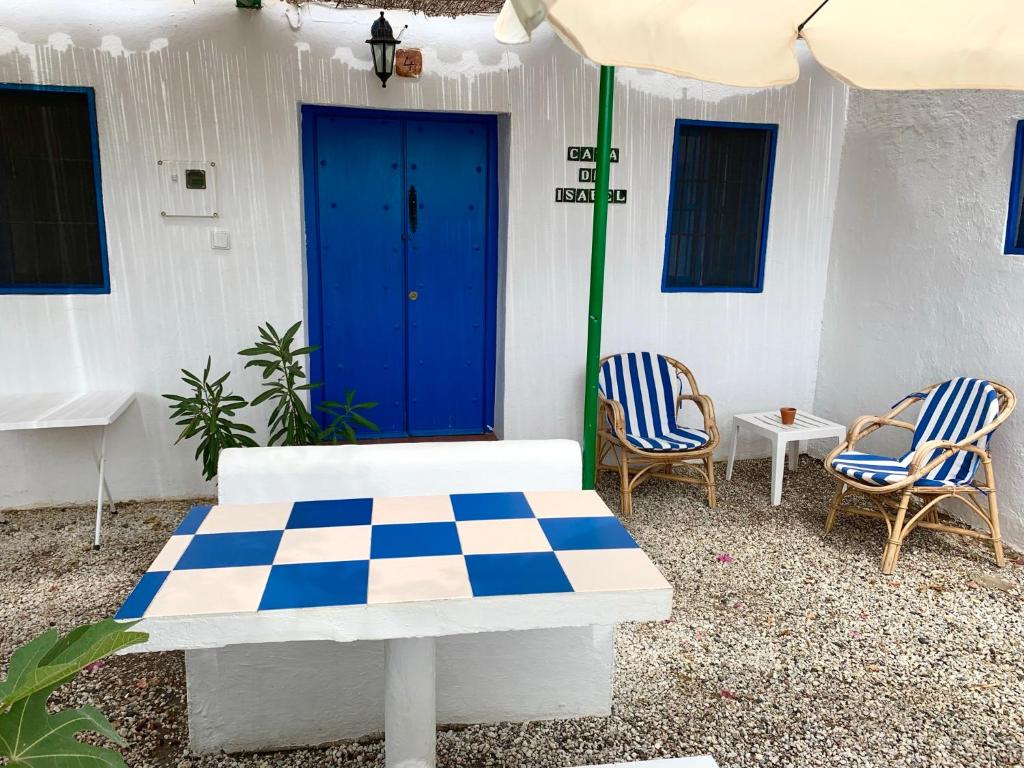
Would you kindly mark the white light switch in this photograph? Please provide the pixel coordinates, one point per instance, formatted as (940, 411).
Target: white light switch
(220, 240)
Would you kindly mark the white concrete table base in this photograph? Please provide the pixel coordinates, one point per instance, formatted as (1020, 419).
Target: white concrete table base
(410, 693)
(784, 438)
(483, 677)
(66, 410)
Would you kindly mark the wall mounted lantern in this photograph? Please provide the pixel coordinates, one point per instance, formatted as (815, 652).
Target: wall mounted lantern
(382, 45)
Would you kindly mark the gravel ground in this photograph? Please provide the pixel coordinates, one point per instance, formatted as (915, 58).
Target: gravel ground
(785, 647)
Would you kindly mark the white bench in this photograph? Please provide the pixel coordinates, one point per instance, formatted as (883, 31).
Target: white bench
(308, 693)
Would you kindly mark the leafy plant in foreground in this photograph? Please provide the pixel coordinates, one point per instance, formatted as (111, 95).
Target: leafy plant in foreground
(284, 379)
(33, 737)
(210, 413)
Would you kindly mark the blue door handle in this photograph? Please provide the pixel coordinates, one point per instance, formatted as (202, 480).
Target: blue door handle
(412, 208)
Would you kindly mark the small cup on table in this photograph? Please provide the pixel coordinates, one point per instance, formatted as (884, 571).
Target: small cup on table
(788, 415)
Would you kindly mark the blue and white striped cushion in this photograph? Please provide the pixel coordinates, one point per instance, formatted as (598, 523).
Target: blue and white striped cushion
(879, 470)
(951, 412)
(645, 386)
(682, 439)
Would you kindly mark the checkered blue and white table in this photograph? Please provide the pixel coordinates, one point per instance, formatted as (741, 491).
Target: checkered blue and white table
(309, 554)
(404, 570)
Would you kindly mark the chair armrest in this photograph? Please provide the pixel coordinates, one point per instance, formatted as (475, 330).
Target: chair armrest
(861, 428)
(707, 409)
(617, 417)
(865, 425)
(917, 466)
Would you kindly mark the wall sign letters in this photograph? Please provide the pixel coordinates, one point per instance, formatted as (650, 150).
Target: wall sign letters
(587, 175)
(588, 154)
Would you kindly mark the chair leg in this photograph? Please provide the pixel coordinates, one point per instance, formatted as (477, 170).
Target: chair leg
(625, 492)
(993, 512)
(896, 536)
(997, 542)
(709, 465)
(833, 511)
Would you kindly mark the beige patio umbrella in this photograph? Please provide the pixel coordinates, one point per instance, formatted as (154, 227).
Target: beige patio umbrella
(877, 44)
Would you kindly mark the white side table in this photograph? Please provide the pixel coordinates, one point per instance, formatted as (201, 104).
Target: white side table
(769, 424)
(65, 410)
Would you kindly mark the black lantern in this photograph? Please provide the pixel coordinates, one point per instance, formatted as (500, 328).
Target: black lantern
(382, 44)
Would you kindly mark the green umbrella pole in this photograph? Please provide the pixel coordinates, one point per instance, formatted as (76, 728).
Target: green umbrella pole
(604, 148)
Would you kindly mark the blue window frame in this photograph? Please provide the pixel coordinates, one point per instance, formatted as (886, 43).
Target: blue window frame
(1015, 217)
(718, 206)
(52, 235)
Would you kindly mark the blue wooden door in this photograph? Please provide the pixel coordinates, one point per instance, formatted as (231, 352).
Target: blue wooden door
(401, 266)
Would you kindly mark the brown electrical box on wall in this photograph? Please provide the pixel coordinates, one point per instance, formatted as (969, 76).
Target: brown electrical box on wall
(408, 62)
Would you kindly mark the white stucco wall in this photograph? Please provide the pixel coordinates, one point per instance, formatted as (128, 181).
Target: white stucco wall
(175, 79)
(919, 289)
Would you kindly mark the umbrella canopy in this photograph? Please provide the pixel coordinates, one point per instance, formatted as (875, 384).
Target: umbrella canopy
(877, 44)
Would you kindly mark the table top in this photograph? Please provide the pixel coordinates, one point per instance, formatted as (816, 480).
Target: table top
(806, 426)
(49, 410)
(379, 568)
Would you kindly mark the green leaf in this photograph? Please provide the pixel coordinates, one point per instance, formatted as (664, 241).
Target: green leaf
(289, 335)
(262, 397)
(88, 643)
(31, 671)
(24, 663)
(30, 737)
(364, 422)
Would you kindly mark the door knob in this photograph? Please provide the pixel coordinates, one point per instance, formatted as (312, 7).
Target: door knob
(413, 214)
(413, 295)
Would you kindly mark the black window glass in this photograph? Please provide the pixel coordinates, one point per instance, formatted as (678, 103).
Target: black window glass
(50, 233)
(721, 184)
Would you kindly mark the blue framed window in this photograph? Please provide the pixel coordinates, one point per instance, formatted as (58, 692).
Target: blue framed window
(52, 237)
(718, 206)
(1015, 218)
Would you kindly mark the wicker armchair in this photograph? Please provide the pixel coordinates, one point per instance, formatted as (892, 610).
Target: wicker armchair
(641, 394)
(949, 445)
